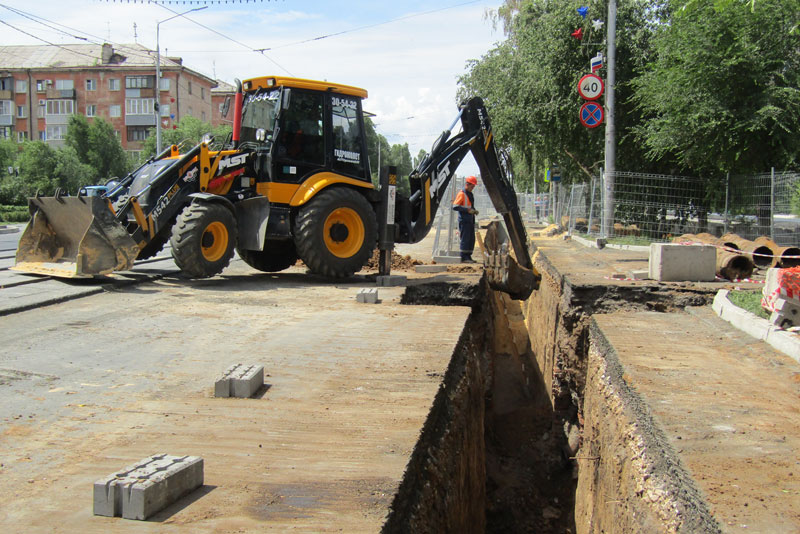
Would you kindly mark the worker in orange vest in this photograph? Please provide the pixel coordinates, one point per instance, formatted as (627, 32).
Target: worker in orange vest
(465, 206)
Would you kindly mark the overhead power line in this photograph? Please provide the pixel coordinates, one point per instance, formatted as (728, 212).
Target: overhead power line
(359, 28)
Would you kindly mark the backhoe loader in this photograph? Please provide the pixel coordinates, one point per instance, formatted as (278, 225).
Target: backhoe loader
(293, 181)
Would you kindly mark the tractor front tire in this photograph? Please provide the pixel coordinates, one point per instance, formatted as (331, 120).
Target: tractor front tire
(335, 233)
(276, 256)
(203, 239)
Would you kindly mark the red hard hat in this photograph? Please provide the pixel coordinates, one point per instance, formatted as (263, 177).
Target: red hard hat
(472, 180)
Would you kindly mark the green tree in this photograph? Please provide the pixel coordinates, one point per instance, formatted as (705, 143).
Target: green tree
(722, 91)
(98, 146)
(529, 84)
(189, 132)
(106, 154)
(419, 157)
(44, 169)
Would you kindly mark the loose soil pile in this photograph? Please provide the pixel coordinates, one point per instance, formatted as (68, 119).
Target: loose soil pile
(398, 262)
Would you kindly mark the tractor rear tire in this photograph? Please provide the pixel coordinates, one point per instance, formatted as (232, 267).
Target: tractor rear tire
(336, 232)
(276, 256)
(203, 239)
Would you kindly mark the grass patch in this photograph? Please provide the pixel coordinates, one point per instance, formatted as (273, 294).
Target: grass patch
(748, 301)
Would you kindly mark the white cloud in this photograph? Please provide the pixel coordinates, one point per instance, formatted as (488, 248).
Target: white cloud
(410, 66)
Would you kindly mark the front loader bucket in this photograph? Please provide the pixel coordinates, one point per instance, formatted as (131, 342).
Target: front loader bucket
(503, 272)
(74, 237)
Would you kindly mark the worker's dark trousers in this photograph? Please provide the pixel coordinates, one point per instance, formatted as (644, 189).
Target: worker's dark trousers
(466, 229)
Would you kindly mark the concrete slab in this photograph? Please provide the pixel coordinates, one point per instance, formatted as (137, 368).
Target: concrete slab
(148, 486)
(670, 262)
(430, 268)
(392, 280)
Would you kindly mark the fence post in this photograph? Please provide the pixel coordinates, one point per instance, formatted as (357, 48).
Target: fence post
(569, 209)
(603, 203)
(772, 203)
(727, 194)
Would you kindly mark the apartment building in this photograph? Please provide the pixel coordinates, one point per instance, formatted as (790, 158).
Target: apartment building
(42, 86)
(219, 94)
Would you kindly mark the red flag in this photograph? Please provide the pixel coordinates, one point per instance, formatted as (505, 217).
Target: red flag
(578, 34)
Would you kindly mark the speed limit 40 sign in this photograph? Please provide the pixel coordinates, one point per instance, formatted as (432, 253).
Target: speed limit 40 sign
(590, 87)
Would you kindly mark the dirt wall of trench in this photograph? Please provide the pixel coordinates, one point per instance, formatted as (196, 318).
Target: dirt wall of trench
(444, 486)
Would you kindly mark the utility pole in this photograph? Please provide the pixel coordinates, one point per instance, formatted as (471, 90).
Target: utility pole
(157, 103)
(611, 131)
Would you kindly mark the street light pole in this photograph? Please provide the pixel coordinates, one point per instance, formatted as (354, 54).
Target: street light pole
(157, 106)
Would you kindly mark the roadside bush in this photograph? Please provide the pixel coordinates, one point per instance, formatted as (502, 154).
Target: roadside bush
(14, 214)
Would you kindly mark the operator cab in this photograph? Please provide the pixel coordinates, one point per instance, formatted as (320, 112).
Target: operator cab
(298, 128)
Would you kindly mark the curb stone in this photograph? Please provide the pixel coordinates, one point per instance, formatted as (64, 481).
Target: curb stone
(781, 340)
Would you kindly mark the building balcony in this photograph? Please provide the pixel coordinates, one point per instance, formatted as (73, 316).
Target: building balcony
(6, 95)
(6, 120)
(140, 120)
(60, 93)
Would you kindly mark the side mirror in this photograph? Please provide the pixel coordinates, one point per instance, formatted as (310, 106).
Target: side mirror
(287, 97)
(226, 106)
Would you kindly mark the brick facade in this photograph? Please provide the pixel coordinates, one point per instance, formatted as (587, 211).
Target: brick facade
(117, 85)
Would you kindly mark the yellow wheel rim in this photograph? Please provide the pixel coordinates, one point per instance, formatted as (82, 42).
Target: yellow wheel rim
(344, 232)
(214, 241)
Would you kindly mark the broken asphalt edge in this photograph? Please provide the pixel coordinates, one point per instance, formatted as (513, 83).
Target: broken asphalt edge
(783, 341)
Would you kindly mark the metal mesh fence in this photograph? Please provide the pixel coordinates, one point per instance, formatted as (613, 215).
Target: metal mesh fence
(659, 207)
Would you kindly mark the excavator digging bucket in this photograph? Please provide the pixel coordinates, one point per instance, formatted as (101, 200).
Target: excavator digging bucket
(503, 272)
(74, 237)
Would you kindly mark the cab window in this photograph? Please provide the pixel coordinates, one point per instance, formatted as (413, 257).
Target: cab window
(301, 130)
(348, 139)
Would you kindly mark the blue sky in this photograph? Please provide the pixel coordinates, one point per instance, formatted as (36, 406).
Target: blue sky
(409, 66)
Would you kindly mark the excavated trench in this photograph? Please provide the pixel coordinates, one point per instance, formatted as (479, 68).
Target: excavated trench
(498, 450)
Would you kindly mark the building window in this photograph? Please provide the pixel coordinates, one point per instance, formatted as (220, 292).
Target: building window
(189, 111)
(5, 84)
(138, 82)
(202, 93)
(139, 106)
(91, 110)
(203, 116)
(20, 112)
(113, 84)
(115, 110)
(60, 107)
(164, 85)
(40, 113)
(190, 87)
(22, 86)
(138, 133)
(56, 132)
(5, 132)
(40, 86)
(64, 85)
(22, 137)
(91, 85)
(164, 109)
(5, 107)
(42, 136)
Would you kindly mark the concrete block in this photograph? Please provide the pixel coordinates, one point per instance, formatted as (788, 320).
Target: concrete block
(367, 295)
(670, 262)
(392, 280)
(240, 381)
(638, 275)
(430, 268)
(142, 489)
(442, 258)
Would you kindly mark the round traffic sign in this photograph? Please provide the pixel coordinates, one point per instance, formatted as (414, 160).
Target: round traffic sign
(591, 114)
(590, 87)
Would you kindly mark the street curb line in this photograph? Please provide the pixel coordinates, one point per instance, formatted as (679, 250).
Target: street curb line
(781, 340)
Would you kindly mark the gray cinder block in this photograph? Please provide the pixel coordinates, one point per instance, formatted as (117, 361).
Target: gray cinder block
(367, 295)
(391, 280)
(671, 262)
(142, 489)
(240, 381)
